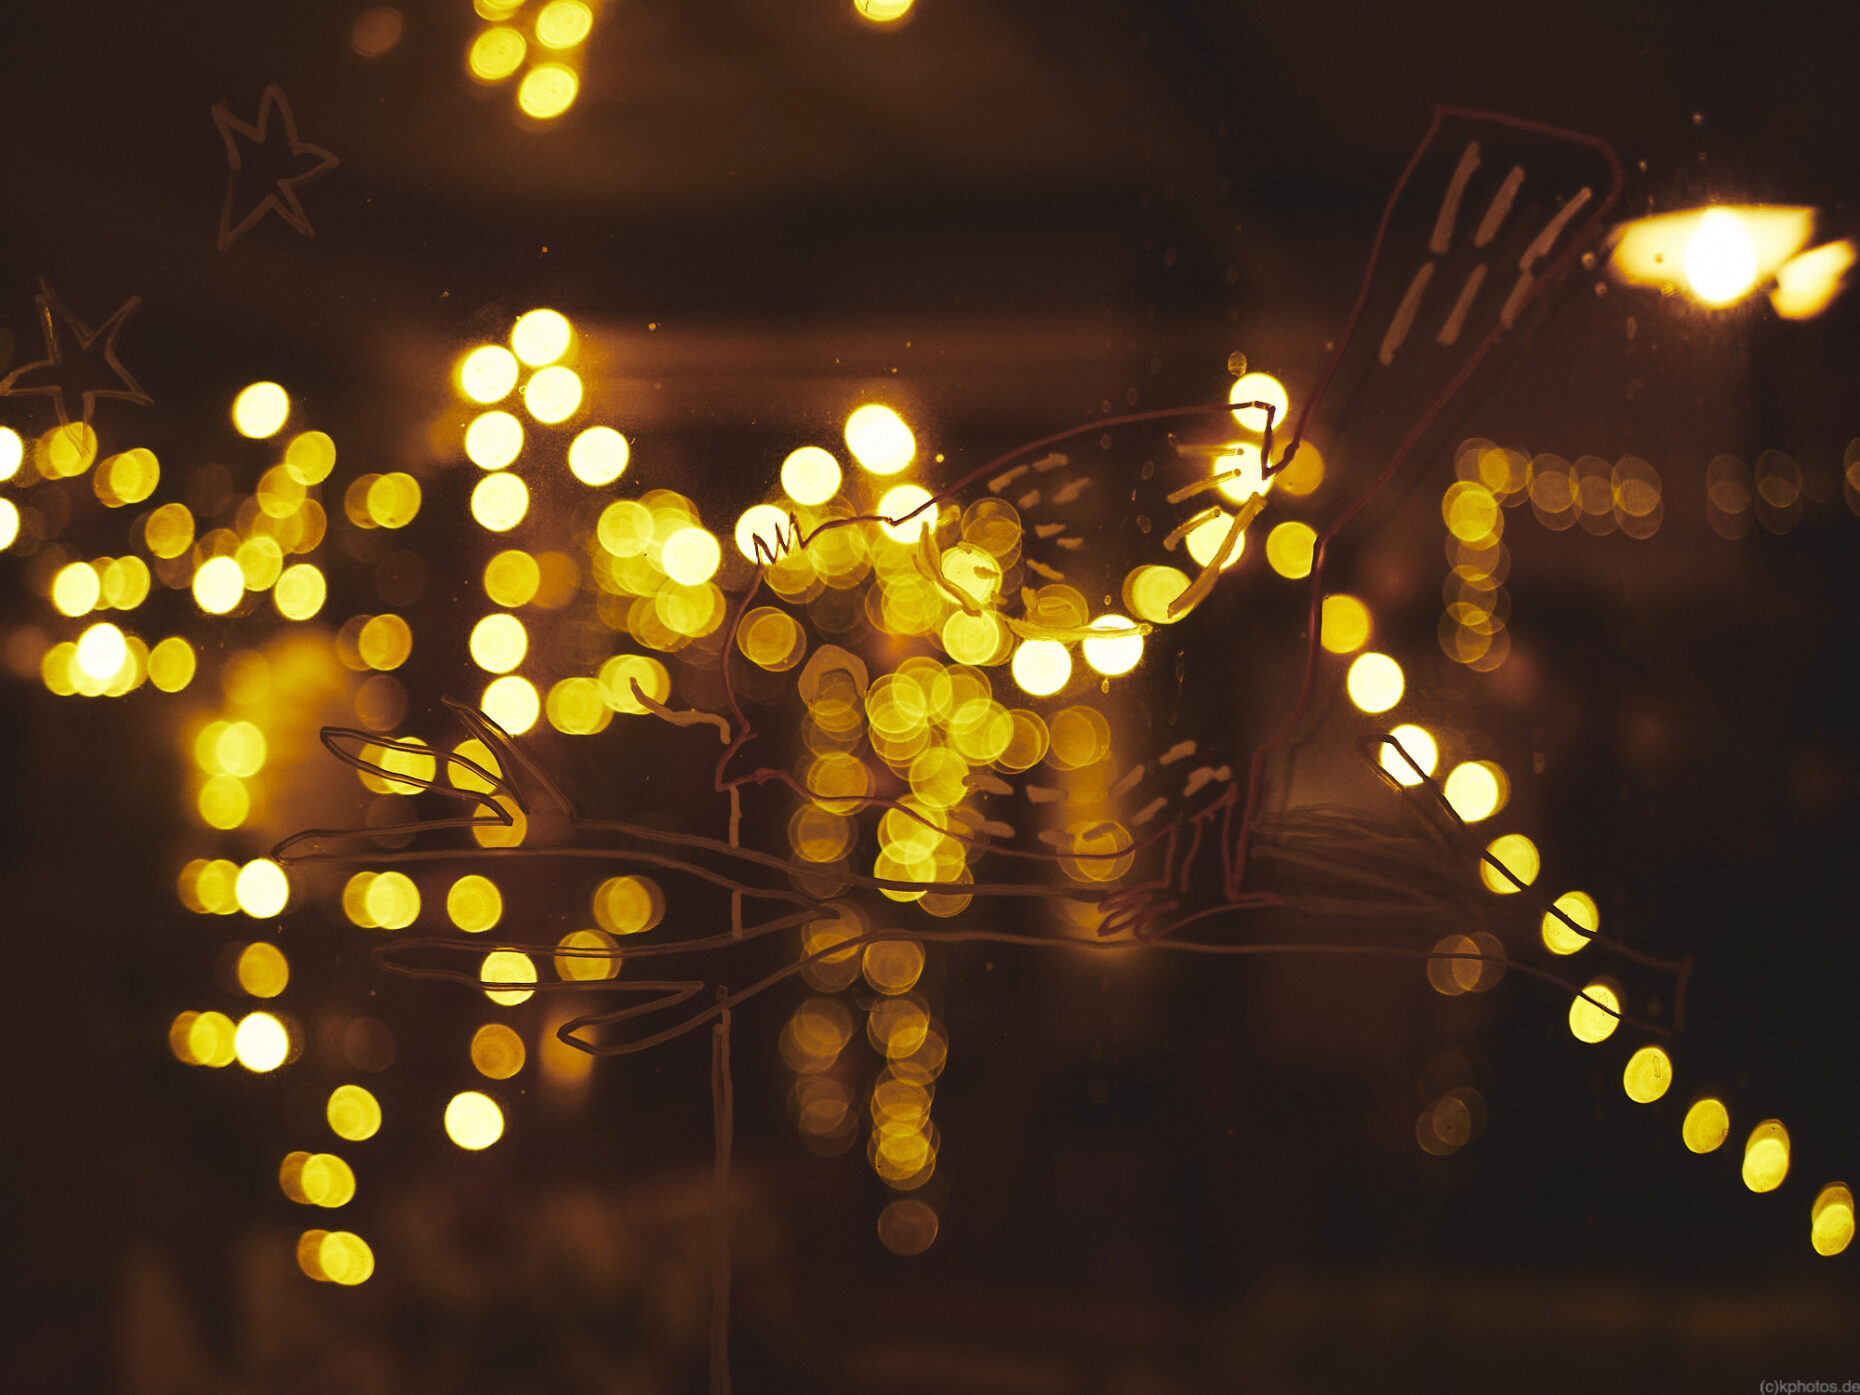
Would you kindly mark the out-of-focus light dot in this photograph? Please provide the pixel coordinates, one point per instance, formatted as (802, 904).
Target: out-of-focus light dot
(262, 888)
(629, 905)
(345, 1258)
(810, 475)
(1374, 682)
(261, 1042)
(548, 90)
(488, 373)
(223, 802)
(1806, 285)
(512, 578)
(101, 650)
(1648, 1075)
(587, 956)
(497, 1051)
(1831, 1220)
(171, 664)
(496, 54)
(541, 336)
(237, 748)
(1115, 655)
(1260, 387)
(907, 1226)
(1580, 907)
(219, 585)
(552, 394)
(12, 452)
(897, 504)
(879, 439)
(563, 23)
(598, 455)
(393, 500)
(691, 556)
(1418, 742)
(9, 523)
(764, 522)
(1766, 1156)
(261, 410)
(210, 1039)
(76, 588)
(310, 1243)
(507, 966)
(300, 592)
(1304, 473)
(1289, 549)
(1707, 1125)
(499, 502)
(353, 1113)
(493, 440)
(1241, 474)
(512, 703)
(888, 12)
(386, 642)
(1476, 790)
(68, 450)
(1595, 1013)
(321, 1179)
(474, 903)
(1149, 591)
(1721, 260)
(376, 31)
(310, 457)
(1206, 539)
(1519, 854)
(392, 901)
(893, 966)
(473, 1120)
(263, 971)
(498, 643)
(1041, 667)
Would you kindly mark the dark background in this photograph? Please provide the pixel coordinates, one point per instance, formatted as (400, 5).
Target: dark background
(1153, 1178)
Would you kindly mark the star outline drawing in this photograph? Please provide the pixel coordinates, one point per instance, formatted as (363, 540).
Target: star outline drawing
(283, 199)
(52, 310)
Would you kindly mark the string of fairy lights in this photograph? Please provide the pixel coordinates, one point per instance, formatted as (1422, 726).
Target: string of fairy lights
(978, 703)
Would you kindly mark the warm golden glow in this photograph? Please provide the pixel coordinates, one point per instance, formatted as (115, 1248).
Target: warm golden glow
(169, 531)
(598, 455)
(548, 90)
(224, 802)
(1831, 1220)
(260, 411)
(691, 556)
(1707, 1125)
(1418, 742)
(12, 452)
(1260, 387)
(474, 904)
(1580, 907)
(101, 650)
(496, 54)
(497, 1051)
(262, 889)
(552, 394)
(1289, 549)
(1718, 254)
(889, 12)
(499, 502)
(512, 703)
(512, 578)
(9, 523)
(763, 522)
(879, 439)
(1807, 284)
(487, 373)
(1117, 654)
(493, 440)
(563, 24)
(261, 1042)
(391, 900)
(310, 457)
(587, 956)
(1374, 682)
(904, 506)
(541, 337)
(393, 500)
(473, 1120)
(219, 585)
(262, 970)
(1595, 1012)
(628, 905)
(499, 642)
(210, 1040)
(353, 1113)
(385, 642)
(1041, 667)
(1520, 857)
(810, 475)
(128, 478)
(1344, 626)
(1477, 790)
(1766, 1156)
(1648, 1075)
(507, 966)
(621, 673)
(76, 588)
(1242, 474)
(893, 966)
(300, 592)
